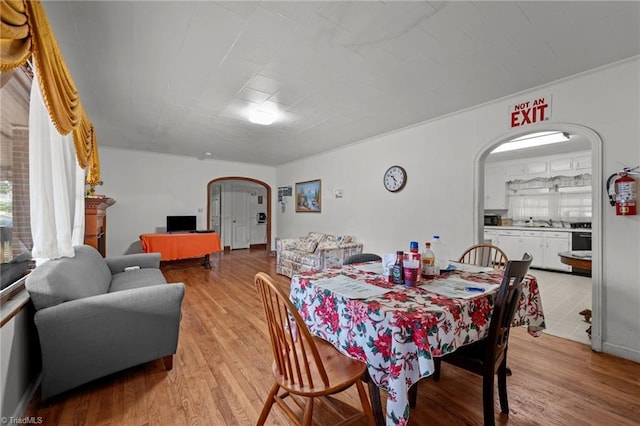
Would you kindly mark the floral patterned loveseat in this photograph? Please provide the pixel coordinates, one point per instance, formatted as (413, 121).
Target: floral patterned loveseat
(313, 252)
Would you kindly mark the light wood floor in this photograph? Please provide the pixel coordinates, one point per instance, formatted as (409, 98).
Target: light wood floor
(221, 372)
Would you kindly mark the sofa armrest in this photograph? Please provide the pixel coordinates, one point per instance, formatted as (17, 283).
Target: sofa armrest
(329, 246)
(334, 254)
(143, 260)
(88, 338)
(284, 244)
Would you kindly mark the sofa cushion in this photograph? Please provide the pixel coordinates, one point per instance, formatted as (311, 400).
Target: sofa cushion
(69, 278)
(340, 239)
(316, 236)
(299, 257)
(136, 278)
(327, 245)
(307, 245)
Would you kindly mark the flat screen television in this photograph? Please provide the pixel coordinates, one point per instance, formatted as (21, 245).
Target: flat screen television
(181, 223)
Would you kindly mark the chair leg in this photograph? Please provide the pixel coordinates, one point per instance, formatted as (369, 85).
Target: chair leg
(503, 372)
(364, 401)
(268, 404)
(487, 399)
(308, 412)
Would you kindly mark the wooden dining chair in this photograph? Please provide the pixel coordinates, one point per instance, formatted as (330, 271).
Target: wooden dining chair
(485, 255)
(361, 257)
(304, 365)
(488, 356)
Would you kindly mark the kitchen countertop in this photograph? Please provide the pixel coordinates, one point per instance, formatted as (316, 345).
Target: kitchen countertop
(536, 228)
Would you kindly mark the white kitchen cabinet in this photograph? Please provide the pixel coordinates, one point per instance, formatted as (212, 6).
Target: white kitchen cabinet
(535, 167)
(543, 245)
(509, 242)
(491, 237)
(495, 196)
(533, 243)
(514, 170)
(582, 163)
(555, 242)
(560, 164)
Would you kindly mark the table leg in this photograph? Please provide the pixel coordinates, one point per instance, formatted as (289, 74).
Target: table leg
(207, 261)
(376, 403)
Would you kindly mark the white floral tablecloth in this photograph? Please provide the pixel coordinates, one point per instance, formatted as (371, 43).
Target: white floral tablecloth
(398, 333)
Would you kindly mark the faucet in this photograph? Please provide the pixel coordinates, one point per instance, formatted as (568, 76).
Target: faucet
(549, 222)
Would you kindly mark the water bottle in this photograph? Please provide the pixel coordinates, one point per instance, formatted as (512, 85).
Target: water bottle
(441, 251)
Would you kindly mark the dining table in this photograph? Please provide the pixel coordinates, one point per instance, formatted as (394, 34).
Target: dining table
(397, 330)
(576, 258)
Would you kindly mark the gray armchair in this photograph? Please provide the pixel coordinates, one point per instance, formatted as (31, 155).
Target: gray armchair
(96, 316)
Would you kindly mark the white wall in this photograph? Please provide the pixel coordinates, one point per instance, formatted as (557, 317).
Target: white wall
(439, 159)
(147, 187)
(19, 362)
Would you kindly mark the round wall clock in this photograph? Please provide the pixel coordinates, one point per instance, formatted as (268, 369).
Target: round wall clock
(395, 178)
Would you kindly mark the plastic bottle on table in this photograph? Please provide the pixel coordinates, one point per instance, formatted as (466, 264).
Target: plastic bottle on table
(414, 249)
(397, 272)
(441, 252)
(428, 262)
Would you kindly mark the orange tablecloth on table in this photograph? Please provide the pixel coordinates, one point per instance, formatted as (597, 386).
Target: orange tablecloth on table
(181, 246)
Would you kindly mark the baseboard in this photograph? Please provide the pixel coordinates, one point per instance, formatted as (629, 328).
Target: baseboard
(262, 246)
(621, 351)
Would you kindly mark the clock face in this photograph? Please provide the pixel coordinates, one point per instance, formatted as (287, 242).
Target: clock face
(395, 178)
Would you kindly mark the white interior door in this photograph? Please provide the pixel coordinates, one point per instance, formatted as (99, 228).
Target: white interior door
(215, 221)
(240, 225)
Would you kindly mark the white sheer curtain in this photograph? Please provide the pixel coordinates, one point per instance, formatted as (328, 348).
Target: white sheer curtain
(56, 185)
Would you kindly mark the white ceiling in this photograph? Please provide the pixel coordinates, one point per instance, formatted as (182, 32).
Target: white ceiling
(178, 77)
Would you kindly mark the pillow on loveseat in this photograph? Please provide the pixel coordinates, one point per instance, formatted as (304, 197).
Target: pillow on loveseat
(307, 245)
(340, 239)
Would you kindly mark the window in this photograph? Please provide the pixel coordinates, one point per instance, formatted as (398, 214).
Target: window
(15, 229)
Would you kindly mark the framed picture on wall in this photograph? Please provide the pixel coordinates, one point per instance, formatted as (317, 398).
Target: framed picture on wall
(309, 196)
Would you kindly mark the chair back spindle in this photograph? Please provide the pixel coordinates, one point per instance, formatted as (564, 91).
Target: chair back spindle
(295, 354)
(485, 255)
(304, 365)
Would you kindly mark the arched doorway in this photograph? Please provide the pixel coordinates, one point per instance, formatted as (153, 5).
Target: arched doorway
(262, 201)
(596, 202)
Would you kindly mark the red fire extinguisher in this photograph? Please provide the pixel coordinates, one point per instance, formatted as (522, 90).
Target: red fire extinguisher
(624, 194)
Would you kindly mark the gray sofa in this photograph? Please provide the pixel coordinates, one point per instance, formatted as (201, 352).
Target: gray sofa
(95, 318)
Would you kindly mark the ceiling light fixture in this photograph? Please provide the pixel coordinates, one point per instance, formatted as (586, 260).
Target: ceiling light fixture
(263, 117)
(531, 140)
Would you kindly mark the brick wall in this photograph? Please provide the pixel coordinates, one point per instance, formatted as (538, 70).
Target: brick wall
(14, 157)
(21, 206)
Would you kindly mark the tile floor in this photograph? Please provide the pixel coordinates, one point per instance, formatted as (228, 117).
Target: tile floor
(563, 297)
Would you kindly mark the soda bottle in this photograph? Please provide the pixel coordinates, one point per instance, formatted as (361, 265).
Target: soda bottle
(397, 273)
(415, 255)
(428, 262)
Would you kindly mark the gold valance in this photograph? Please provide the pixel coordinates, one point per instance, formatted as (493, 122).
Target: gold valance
(15, 40)
(25, 32)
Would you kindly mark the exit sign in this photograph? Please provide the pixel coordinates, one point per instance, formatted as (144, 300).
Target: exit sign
(531, 111)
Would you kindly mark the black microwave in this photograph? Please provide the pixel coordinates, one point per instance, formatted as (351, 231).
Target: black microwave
(492, 220)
